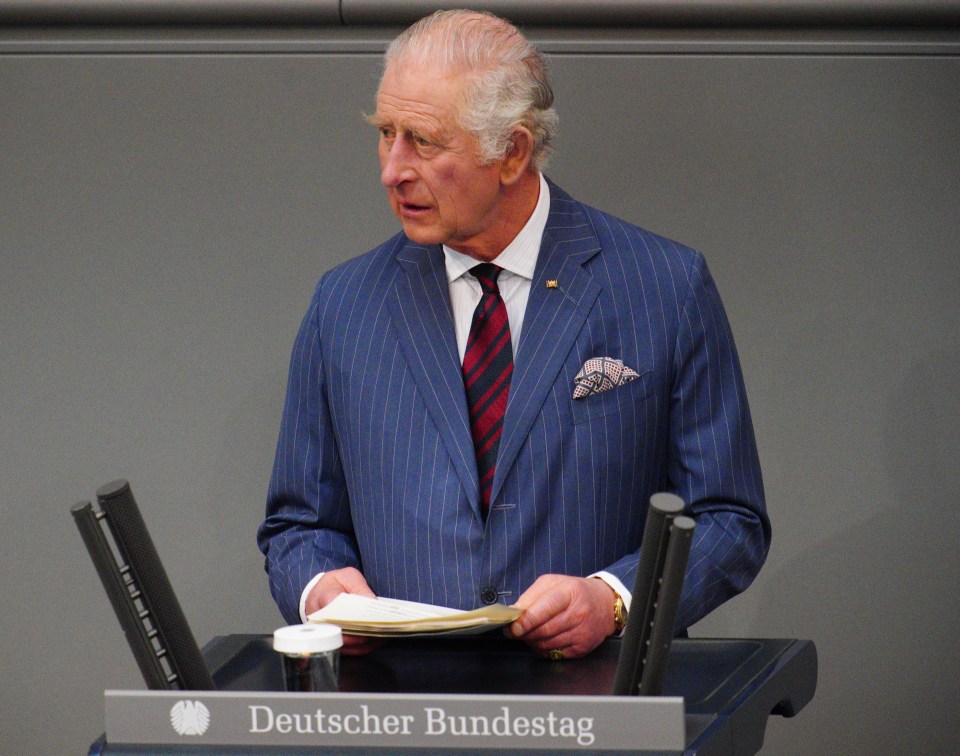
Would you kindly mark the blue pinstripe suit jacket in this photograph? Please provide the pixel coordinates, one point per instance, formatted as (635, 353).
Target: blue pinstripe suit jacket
(375, 467)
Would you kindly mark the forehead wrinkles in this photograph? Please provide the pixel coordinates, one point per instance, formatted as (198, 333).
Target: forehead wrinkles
(412, 114)
(423, 96)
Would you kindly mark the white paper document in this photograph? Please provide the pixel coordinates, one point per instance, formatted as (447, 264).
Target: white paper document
(385, 617)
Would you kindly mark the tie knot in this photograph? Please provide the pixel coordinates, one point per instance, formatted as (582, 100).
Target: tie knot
(486, 274)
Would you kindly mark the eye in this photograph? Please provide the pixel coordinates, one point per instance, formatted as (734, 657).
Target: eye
(388, 133)
(426, 147)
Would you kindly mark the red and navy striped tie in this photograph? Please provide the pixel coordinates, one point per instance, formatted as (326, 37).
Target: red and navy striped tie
(487, 368)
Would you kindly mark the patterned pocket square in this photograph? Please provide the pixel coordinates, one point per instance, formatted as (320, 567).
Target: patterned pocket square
(601, 374)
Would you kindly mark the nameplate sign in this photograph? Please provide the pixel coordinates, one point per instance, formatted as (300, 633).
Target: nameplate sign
(339, 720)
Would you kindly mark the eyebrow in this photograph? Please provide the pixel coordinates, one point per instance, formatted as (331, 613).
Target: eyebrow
(436, 137)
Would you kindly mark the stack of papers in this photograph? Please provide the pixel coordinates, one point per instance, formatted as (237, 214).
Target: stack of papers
(386, 617)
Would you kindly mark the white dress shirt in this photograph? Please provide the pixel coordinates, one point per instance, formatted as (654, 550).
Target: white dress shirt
(518, 262)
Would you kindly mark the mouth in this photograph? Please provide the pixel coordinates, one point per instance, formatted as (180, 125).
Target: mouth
(411, 209)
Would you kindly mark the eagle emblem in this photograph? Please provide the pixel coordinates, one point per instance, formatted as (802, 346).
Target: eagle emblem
(190, 717)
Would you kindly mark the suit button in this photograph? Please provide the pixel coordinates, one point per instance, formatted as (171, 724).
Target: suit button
(488, 596)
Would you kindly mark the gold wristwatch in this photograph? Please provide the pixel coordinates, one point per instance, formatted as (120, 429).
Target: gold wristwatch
(619, 614)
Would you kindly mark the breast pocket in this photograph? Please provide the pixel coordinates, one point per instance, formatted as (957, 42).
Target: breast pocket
(613, 401)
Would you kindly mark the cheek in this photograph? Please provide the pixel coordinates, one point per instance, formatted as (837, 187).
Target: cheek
(447, 187)
(446, 180)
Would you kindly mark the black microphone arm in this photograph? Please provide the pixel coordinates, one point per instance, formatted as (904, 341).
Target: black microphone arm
(667, 537)
(140, 591)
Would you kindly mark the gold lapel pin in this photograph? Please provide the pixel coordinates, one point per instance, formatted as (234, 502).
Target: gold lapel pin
(552, 283)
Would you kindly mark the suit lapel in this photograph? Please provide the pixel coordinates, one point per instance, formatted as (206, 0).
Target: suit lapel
(553, 318)
(420, 308)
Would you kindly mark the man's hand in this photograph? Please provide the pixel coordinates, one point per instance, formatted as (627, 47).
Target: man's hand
(562, 613)
(331, 585)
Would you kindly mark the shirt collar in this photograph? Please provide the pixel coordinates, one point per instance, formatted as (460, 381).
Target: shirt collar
(520, 255)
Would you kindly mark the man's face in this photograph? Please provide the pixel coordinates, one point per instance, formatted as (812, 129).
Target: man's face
(429, 164)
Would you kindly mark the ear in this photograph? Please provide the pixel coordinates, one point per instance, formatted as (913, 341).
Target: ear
(518, 158)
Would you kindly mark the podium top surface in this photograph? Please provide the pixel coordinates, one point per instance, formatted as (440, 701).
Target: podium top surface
(707, 673)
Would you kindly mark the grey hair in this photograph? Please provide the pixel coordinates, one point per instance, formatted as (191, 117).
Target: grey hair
(507, 83)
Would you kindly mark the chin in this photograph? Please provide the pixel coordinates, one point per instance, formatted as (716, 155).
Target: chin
(421, 235)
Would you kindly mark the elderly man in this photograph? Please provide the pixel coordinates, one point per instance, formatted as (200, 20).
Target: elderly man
(480, 408)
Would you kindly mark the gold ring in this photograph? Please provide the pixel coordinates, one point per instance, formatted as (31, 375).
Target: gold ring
(555, 654)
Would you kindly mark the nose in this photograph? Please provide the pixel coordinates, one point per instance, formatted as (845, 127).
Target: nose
(396, 161)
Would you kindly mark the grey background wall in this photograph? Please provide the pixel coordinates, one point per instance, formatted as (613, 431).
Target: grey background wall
(168, 200)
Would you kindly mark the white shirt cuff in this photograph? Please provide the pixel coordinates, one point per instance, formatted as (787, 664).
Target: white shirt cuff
(306, 592)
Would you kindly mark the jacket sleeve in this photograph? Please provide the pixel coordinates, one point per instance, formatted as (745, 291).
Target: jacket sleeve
(713, 460)
(307, 529)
